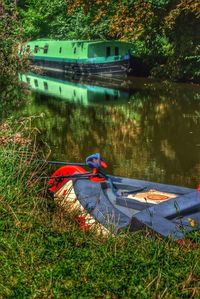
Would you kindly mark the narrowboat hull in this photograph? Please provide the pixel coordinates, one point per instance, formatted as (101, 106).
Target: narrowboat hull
(117, 67)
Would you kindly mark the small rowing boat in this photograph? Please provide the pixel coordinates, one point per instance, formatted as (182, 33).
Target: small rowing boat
(112, 203)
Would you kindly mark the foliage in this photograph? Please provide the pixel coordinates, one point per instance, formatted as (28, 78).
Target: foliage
(161, 30)
(10, 33)
(10, 62)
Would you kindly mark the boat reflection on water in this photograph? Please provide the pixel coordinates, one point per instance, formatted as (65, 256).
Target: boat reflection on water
(82, 90)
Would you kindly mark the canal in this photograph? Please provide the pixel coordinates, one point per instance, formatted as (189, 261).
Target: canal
(144, 129)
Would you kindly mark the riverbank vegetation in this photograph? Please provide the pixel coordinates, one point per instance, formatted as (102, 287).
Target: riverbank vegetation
(165, 33)
(11, 33)
(10, 37)
(44, 254)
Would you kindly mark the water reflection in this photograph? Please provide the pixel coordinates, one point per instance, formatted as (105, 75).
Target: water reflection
(74, 89)
(144, 129)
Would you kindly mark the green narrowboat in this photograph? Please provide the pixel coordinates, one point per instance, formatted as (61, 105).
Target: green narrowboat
(81, 57)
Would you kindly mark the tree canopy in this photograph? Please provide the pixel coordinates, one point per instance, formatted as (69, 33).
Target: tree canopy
(164, 32)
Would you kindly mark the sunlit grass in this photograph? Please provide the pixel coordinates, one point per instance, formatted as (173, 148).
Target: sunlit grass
(43, 254)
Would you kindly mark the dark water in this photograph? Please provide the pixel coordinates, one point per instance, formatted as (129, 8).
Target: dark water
(144, 129)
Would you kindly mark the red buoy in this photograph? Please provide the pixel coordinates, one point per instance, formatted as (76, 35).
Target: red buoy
(56, 182)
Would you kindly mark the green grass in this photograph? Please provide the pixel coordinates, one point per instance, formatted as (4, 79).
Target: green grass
(43, 254)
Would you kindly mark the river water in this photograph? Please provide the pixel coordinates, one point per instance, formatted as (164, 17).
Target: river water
(144, 129)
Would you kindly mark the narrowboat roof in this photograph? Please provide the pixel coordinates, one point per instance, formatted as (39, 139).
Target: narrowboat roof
(80, 41)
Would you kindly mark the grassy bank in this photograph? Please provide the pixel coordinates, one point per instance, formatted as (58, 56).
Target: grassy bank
(43, 254)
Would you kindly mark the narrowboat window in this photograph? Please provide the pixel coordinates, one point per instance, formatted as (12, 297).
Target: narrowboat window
(107, 51)
(28, 80)
(116, 51)
(60, 89)
(60, 50)
(75, 50)
(36, 82)
(107, 97)
(36, 49)
(46, 49)
(45, 85)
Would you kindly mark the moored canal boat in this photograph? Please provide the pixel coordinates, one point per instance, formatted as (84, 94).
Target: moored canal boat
(80, 57)
(115, 203)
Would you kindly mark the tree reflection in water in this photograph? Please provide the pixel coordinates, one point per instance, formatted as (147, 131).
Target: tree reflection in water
(149, 131)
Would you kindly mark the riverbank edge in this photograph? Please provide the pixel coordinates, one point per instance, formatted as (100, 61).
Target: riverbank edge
(45, 255)
(163, 71)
